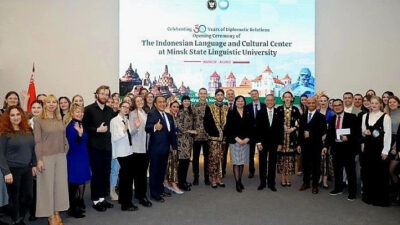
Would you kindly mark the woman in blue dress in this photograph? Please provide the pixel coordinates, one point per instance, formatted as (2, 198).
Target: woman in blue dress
(77, 160)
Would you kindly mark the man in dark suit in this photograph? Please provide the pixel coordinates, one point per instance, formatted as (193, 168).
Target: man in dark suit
(270, 138)
(230, 96)
(161, 127)
(343, 148)
(252, 109)
(312, 128)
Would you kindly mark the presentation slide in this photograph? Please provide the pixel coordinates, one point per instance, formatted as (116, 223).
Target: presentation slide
(176, 47)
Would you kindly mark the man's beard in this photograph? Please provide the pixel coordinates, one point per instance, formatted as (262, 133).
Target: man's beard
(102, 101)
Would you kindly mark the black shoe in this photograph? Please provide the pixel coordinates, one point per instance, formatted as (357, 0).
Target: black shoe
(241, 185)
(238, 189)
(107, 204)
(251, 175)
(335, 192)
(221, 185)
(214, 185)
(351, 197)
(272, 188)
(158, 199)
(76, 214)
(99, 207)
(207, 182)
(184, 187)
(166, 194)
(129, 208)
(196, 181)
(261, 187)
(21, 222)
(145, 202)
(188, 184)
(32, 218)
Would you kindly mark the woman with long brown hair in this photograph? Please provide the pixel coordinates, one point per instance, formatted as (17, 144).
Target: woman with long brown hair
(51, 147)
(17, 161)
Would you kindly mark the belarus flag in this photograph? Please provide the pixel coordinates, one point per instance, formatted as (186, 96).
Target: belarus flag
(31, 90)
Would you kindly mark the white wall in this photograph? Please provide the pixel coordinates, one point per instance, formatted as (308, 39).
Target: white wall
(74, 44)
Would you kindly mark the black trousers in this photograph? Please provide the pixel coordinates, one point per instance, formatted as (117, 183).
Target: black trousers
(32, 207)
(224, 159)
(252, 169)
(73, 196)
(140, 163)
(182, 171)
(311, 165)
(125, 175)
(267, 173)
(100, 164)
(344, 157)
(20, 192)
(196, 155)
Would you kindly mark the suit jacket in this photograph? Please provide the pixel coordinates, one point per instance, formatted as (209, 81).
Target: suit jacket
(237, 126)
(316, 127)
(160, 141)
(350, 121)
(249, 110)
(270, 135)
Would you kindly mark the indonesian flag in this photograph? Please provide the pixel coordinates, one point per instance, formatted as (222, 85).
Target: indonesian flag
(31, 90)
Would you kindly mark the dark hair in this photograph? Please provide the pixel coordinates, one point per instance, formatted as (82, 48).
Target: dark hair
(103, 87)
(218, 91)
(170, 104)
(337, 100)
(36, 101)
(236, 98)
(202, 89)
(157, 97)
(37, 96)
(120, 104)
(358, 94)
(5, 105)
(369, 91)
(114, 94)
(348, 93)
(66, 98)
(388, 93)
(181, 107)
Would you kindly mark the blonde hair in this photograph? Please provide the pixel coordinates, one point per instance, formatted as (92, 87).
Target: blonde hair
(76, 96)
(74, 108)
(56, 113)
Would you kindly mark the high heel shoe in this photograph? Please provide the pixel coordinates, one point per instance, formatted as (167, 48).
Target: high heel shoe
(241, 185)
(238, 189)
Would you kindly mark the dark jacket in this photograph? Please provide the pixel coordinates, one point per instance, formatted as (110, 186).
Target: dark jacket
(348, 121)
(249, 109)
(270, 135)
(161, 141)
(92, 119)
(237, 126)
(316, 128)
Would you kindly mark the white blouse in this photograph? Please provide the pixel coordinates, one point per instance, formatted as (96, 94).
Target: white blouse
(387, 127)
(119, 138)
(139, 135)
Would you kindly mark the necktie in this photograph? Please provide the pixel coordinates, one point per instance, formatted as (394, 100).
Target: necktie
(129, 134)
(270, 117)
(230, 106)
(309, 117)
(255, 110)
(165, 120)
(338, 122)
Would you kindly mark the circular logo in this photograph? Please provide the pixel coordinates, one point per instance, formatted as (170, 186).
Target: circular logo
(211, 4)
(376, 133)
(223, 4)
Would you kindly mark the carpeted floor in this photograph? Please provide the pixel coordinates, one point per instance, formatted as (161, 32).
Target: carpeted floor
(204, 205)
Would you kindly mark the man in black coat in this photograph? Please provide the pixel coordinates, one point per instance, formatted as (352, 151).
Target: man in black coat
(96, 122)
(342, 138)
(270, 138)
(252, 109)
(312, 128)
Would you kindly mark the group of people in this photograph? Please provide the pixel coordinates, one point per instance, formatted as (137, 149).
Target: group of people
(47, 156)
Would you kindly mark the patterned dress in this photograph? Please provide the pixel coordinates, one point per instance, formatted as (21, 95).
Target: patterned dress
(184, 122)
(214, 121)
(172, 167)
(286, 156)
